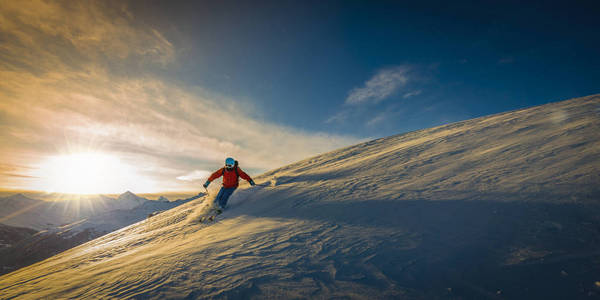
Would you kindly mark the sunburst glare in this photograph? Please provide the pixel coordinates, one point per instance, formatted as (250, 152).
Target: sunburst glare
(86, 173)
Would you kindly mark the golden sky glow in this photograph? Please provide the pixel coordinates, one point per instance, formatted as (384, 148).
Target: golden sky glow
(84, 75)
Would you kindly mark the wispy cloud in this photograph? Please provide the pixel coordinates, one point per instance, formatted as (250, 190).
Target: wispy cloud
(60, 93)
(195, 175)
(338, 117)
(382, 85)
(377, 119)
(53, 36)
(403, 82)
(412, 94)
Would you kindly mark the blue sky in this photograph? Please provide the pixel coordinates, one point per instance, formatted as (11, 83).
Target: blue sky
(299, 61)
(171, 88)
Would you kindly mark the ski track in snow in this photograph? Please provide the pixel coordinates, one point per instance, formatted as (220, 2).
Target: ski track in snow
(426, 214)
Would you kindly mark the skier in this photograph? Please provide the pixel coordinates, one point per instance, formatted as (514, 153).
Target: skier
(231, 173)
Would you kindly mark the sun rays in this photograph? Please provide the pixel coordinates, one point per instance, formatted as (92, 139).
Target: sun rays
(88, 173)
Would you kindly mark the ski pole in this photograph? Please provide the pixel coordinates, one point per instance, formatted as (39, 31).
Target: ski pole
(207, 194)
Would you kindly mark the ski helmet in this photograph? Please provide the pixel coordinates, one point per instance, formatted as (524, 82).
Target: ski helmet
(230, 162)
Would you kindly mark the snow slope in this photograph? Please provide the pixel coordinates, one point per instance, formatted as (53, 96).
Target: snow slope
(504, 206)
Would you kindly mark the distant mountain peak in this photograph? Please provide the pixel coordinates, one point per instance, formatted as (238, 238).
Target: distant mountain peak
(128, 195)
(19, 196)
(131, 198)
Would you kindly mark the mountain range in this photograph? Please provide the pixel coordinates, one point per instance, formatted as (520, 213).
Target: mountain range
(22, 211)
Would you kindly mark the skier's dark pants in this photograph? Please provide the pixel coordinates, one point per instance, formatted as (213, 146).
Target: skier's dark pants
(223, 196)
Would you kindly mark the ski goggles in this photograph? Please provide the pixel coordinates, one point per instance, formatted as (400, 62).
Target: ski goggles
(229, 166)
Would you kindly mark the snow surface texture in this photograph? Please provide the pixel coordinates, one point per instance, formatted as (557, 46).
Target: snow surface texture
(504, 206)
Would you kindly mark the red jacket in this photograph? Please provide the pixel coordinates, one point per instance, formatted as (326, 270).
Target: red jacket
(230, 178)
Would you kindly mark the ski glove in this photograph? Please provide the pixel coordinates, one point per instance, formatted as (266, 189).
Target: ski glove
(251, 182)
(206, 184)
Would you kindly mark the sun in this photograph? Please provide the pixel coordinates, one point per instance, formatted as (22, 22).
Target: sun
(84, 173)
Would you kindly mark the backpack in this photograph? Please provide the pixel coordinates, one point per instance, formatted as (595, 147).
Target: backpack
(235, 167)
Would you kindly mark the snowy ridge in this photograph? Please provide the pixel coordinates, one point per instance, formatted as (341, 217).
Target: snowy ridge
(21, 211)
(129, 200)
(504, 206)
